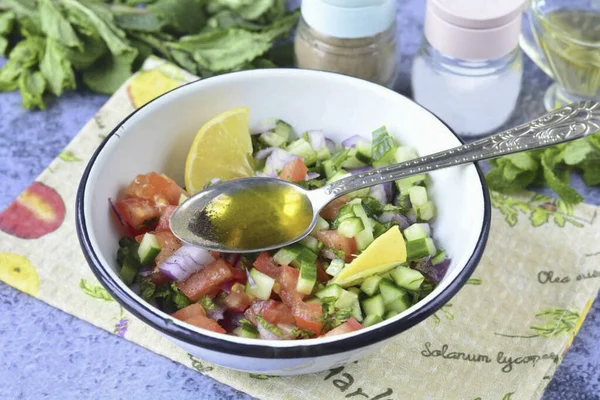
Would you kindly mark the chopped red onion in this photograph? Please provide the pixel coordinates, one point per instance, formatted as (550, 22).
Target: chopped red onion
(357, 171)
(232, 258)
(264, 333)
(388, 190)
(425, 227)
(316, 139)
(264, 174)
(226, 287)
(312, 175)
(264, 153)
(389, 216)
(352, 141)
(330, 145)
(433, 272)
(216, 313)
(277, 160)
(251, 281)
(146, 273)
(185, 261)
(378, 193)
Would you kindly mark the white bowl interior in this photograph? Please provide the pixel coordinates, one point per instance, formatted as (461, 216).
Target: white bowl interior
(157, 138)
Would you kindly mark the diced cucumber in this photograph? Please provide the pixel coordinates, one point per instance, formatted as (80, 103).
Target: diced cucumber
(352, 161)
(307, 278)
(350, 227)
(399, 305)
(271, 138)
(246, 331)
(346, 299)
(310, 243)
(302, 148)
(305, 256)
(364, 151)
(374, 306)
(425, 211)
(346, 211)
(417, 195)
(149, 249)
(129, 270)
(439, 258)
(338, 175)
(286, 255)
(364, 238)
(390, 292)
(323, 154)
(371, 285)
(335, 267)
(390, 314)
(378, 228)
(361, 193)
(415, 231)
(354, 289)
(383, 147)
(334, 291)
(182, 198)
(417, 249)
(371, 320)
(356, 311)
(404, 153)
(314, 300)
(284, 130)
(329, 169)
(264, 284)
(404, 184)
(321, 224)
(359, 211)
(407, 278)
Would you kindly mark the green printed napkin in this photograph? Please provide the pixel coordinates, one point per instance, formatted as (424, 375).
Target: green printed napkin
(501, 337)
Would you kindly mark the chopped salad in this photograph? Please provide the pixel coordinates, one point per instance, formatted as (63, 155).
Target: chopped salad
(370, 257)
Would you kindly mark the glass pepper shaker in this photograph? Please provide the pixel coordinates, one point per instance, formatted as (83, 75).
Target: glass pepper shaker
(468, 70)
(352, 37)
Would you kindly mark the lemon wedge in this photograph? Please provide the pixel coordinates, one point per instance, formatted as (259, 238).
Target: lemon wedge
(148, 85)
(222, 149)
(382, 255)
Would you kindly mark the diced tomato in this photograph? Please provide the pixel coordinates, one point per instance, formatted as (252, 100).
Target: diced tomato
(163, 222)
(189, 311)
(332, 209)
(215, 254)
(158, 278)
(265, 264)
(239, 274)
(206, 323)
(160, 189)
(288, 279)
(169, 244)
(308, 316)
(237, 302)
(206, 280)
(272, 311)
(337, 241)
(321, 274)
(294, 171)
(139, 214)
(349, 326)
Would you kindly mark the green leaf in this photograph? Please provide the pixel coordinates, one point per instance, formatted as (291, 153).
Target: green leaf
(206, 303)
(7, 22)
(539, 217)
(255, 9)
(576, 151)
(139, 20)
(523, 161)
(224, 50)
(180, 16)
(21, 7)
(186, 61)
(591, 172)
(102, 21)
(559, 220)
(3, 46)
(68, 156)
(95, 291)
(94, 48)
(566, 192)
(110, 72)
(56, 69)
(510, 172)
(594, 140)
(32, 86)
(179, 300)
(147, 289)
(56, 26)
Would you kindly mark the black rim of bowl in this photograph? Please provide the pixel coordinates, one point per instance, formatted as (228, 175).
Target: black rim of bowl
(192, 337)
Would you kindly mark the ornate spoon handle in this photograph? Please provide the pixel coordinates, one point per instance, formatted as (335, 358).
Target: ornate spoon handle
(568, 123)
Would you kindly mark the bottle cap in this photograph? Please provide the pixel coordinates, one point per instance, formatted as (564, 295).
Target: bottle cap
(349, 19)
(474, 30)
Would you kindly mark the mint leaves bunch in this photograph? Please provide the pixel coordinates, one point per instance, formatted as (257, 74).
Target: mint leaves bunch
(55, 45)
(549, 167)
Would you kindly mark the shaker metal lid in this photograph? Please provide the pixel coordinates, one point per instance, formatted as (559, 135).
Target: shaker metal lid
(349, 19)
(474, 30)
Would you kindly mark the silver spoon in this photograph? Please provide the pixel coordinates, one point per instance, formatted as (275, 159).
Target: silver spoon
(190, 224)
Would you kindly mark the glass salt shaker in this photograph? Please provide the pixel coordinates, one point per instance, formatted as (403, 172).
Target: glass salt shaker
(352, 37)
(468, 70)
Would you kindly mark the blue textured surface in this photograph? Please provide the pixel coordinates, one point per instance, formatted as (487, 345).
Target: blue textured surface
(46, 353)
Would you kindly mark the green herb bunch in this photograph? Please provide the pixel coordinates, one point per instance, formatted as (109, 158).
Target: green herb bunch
(55, 45)
(550, 167)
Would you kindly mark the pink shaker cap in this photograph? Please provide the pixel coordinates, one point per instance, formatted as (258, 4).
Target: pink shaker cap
(474, 29)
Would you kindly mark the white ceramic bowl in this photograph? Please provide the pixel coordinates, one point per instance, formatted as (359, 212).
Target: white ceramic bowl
(157, 138)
